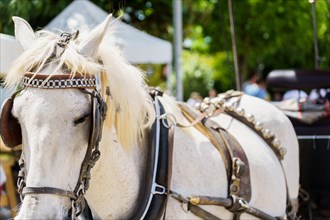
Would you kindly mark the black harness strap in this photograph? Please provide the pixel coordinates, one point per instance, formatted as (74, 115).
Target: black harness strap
(87, 213)
(153, 197)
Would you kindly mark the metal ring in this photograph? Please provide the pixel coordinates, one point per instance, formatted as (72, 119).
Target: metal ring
(185, 206)
(168, 117)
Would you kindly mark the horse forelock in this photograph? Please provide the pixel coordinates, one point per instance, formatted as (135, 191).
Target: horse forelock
(130, 106)
(41, 53)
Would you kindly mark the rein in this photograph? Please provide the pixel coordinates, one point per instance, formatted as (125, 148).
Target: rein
(99, 108)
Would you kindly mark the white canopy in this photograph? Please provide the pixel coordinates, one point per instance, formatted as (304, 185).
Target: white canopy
(10, 49)
(137, 46)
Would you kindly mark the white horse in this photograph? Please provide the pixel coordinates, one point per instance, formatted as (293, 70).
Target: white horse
(55, 126)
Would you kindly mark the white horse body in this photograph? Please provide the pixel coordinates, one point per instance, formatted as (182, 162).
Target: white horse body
(53, 149)
(198, 168)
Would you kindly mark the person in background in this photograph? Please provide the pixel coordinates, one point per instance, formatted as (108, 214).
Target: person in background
(2, 178)
(252, 80)
(277, 97)
(213, 93)
(295, 94)
(4, 211)
(319, 95)
(194, 98)
(257, 89)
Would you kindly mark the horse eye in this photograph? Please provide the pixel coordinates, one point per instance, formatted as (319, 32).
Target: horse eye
(80, 120)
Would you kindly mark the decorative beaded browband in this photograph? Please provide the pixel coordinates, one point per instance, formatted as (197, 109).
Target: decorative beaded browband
(59, 81)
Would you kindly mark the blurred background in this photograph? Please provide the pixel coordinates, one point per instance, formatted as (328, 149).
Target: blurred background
(270, 35)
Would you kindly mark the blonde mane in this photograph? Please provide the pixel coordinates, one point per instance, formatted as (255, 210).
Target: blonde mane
(130, 107)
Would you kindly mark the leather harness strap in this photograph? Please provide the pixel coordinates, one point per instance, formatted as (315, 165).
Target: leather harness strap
(48, 190)
(209, 133)
(240, 185)
(240, 177)
(232, 153)
(234, 205)
(224, 104)
(169, 165)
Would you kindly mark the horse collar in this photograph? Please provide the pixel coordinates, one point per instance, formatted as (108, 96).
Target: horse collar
(154, 192)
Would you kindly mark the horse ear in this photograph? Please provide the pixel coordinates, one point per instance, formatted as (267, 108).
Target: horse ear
(89, 46)
(23, 32)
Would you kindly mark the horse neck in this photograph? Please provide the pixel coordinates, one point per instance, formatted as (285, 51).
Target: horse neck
(116, 178)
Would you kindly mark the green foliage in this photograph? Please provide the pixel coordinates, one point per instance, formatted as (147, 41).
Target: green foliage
(271, 34)
(37, 12)
(156, 75)
(223, 75)
(204, 72)
(197, 73)
(323, 12)
(288, 32)
(152, 16)
(275, 34)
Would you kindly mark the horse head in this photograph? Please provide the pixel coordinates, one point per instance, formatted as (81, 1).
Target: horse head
(60, 112)
(55, 123)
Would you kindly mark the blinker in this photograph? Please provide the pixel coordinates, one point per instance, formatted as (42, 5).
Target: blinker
(10, 129)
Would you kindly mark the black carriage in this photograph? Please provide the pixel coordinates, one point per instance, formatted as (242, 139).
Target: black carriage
(311, 121)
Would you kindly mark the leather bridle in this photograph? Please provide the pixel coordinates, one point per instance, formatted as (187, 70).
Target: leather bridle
(99, 108)
(11, 133)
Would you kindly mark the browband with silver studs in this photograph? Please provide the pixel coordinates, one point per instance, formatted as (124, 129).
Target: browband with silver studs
(59, 81)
